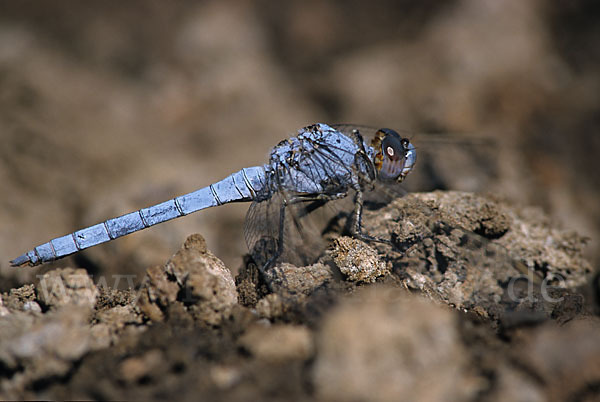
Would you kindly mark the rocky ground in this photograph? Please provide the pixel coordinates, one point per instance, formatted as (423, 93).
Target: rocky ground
(108, 107)
(474, 300)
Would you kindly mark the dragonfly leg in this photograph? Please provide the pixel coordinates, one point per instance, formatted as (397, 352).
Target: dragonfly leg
(364, 169)
(316, 201)
(356, 228)
(358, 138)
(317, 197)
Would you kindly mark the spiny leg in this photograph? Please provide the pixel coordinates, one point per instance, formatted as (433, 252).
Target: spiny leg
(358, 138)
(361, 160)
(316, 200)
(356, 229)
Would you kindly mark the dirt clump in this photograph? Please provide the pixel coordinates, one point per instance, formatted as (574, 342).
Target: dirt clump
(356, 260)
(194, 279)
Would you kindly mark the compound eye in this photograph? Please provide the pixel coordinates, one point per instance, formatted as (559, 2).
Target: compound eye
(392, 147)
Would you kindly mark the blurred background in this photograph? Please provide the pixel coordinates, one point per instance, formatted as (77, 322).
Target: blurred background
(108, 107)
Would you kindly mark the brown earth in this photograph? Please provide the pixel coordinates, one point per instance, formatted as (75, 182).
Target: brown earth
(441, 313)
(109, 107)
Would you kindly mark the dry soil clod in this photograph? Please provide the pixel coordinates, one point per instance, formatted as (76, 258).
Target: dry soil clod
(194, 278)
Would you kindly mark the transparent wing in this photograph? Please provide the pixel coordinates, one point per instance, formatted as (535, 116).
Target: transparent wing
(261, 229)
(293, 234)
(456, 162)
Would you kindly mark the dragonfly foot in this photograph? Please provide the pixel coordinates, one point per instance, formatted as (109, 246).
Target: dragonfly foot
(368, 238)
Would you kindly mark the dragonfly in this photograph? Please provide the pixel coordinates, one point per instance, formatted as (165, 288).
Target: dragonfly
(321, 164)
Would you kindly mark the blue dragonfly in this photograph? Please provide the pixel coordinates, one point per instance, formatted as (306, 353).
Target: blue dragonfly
(321, 164)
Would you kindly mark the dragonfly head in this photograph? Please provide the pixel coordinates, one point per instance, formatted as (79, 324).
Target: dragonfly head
(395, 156)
